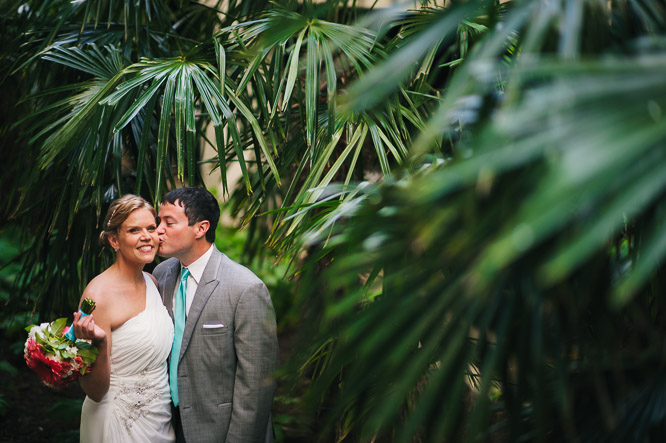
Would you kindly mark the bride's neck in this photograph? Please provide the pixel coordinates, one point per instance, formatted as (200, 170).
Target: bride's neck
(128, 271)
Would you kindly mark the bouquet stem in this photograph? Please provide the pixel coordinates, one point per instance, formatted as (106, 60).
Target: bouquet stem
(87, 306)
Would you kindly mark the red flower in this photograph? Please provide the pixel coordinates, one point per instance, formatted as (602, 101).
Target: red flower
(53, 373)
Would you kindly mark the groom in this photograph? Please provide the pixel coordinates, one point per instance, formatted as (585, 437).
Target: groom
(225, 346)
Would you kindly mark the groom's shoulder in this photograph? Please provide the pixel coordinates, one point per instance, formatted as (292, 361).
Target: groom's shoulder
(241, 274)
(161, 269)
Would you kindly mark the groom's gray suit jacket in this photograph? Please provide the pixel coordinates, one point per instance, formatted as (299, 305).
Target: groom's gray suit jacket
(228, 355)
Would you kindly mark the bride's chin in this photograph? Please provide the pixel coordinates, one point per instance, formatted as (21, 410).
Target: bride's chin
(147, 257)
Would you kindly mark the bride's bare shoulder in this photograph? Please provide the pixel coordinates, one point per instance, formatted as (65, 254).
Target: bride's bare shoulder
(100, 288)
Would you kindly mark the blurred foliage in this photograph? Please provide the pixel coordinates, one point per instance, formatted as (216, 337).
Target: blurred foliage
(17, 311)
(67, 410)
(7, 367)
(508, 285)
(4, 406)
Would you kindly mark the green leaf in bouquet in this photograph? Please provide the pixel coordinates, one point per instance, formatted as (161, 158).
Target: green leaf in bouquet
(40, 340)
(88, 360)
(59, 345)
(84, 345)
(47, 348)
(29, 328)
(57, 326)
(87, 352)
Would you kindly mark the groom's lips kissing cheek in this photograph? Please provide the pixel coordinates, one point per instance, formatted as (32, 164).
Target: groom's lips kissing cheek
(174, 231)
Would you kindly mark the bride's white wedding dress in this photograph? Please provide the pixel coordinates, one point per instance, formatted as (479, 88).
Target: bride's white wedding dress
(137, 407)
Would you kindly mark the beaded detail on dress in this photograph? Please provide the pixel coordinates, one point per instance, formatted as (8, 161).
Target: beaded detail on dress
(133, 400)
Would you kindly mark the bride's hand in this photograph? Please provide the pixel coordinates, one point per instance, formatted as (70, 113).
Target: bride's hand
(86, 329)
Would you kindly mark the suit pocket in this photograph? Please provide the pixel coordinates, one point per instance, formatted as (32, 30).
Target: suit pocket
(213, 329)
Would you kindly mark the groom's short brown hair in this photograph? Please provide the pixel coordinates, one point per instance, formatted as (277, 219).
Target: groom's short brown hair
(199, 205)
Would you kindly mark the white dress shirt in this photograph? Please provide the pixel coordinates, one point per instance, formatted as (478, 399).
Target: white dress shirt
(196, 272)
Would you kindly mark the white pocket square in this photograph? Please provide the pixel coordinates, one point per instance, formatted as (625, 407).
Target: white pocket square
(213, 326)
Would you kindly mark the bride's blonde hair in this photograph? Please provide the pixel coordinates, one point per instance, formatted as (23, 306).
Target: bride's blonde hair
(118, 212)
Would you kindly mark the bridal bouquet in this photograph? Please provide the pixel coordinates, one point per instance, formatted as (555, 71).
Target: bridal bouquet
(57, 357)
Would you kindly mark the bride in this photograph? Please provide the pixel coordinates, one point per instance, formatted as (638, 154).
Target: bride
(127, 392)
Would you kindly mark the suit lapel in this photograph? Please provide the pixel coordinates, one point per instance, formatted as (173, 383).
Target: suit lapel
(207, 285)
(170, 286)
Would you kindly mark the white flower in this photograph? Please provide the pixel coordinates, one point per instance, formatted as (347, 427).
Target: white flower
(37, 330)
(72, 350)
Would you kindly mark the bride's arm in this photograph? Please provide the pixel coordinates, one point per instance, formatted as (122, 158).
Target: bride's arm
(96, 327)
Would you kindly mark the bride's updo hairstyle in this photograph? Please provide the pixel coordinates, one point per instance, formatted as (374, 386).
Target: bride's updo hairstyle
(118, 212)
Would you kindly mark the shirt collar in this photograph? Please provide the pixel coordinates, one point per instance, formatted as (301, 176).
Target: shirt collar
(197, 267)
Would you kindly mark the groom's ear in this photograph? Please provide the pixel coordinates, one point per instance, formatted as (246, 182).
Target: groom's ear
(202, 228)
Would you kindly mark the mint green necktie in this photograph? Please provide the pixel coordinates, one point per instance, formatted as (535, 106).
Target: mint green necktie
(179, 326)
